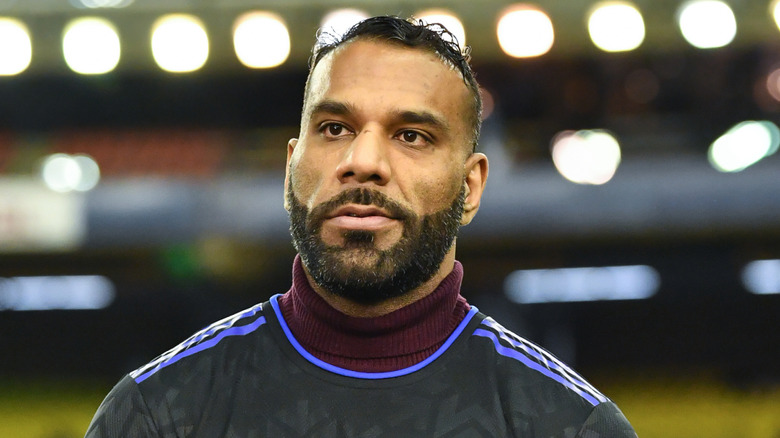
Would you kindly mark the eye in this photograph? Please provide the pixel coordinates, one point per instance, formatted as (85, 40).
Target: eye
(333, 129)
(410, 136)
(414, 138)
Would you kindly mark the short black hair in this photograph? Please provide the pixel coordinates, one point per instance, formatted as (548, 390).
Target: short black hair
(433, 37)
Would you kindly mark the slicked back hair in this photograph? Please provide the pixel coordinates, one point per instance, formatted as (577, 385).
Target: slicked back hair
(433, 37)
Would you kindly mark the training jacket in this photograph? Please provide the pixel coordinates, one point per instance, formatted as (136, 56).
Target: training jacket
(247, 376)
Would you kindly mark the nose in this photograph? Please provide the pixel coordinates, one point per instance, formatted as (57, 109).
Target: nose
(365, 160)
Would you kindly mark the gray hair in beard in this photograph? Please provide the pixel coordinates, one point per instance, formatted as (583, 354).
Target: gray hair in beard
(412, 261)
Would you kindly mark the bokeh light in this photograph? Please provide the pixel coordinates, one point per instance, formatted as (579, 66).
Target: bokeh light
(616, 26)
(179, 43)
(97, 4)
(447, 19)
(774, 10)
(16, 47)
(707, 24)
(773, 83)
(586, 157)
(337, 22)
(56, 292)
(762, 277)
(633, 282)
(65, 173)
(91, 45)
(525, 31)
(743, 145)
(261, 40)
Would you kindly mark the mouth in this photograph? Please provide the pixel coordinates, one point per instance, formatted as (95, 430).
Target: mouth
(360, 211)
(360, 217)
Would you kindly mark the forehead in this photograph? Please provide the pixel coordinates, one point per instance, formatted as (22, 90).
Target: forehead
(390, 74)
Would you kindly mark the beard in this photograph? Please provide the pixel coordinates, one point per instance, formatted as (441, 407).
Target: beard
(358, 270)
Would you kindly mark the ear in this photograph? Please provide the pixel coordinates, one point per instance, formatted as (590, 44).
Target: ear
(290, 149)
(476, 168)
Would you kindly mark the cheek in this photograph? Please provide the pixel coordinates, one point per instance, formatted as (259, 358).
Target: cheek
(304, 182)
(437, 195)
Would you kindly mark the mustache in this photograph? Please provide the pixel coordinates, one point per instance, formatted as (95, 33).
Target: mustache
(359, 196)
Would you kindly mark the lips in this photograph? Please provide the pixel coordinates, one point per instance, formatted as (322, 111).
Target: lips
(359, 211)
(360, 217)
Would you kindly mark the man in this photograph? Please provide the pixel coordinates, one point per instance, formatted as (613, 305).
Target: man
(373, 339)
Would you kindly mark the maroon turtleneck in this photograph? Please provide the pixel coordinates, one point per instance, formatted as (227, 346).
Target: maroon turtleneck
(390, 342)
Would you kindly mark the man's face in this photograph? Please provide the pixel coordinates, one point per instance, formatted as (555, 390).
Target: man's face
(376, 182)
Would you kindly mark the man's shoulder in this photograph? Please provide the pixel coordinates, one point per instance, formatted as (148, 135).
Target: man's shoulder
(519, 358)
(202, 374)
(541, 392)
(231, 329)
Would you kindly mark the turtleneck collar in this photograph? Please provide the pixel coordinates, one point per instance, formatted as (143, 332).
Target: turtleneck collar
(389, 342)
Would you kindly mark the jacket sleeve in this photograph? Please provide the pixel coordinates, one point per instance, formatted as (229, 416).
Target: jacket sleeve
(123, 414)
(606, 421)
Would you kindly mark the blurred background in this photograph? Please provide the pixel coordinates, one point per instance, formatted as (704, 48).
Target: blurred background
(631, 222)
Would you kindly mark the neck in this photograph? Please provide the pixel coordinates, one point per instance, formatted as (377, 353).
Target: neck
(359, 310)
(389, 342)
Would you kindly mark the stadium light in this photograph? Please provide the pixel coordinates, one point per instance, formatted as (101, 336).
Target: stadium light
(447, 19)
(91, 45)
(634, 282)
(179, 43)
(774, 10)
(586, 157)
(762, 277)
(101, 4)
(65, 173)
(16, 47)
(707, 24)
(743, 145)
(67, 292)
(261, 40)
(337, 22)
(525, 31)
(616, 26)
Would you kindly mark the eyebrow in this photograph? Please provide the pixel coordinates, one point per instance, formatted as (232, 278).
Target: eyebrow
(331, 107)
(422, 117)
